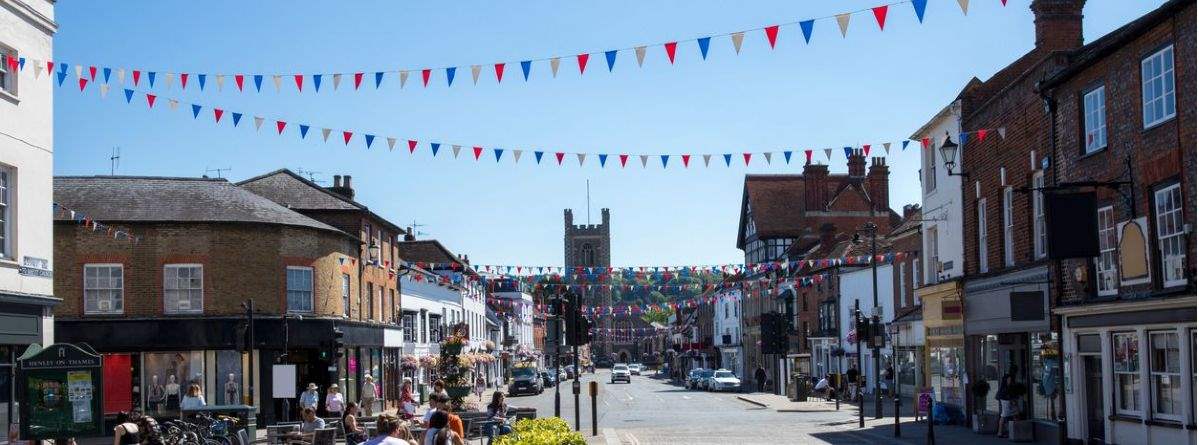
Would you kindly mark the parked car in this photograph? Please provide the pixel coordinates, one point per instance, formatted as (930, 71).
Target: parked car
(723, 380)
(705, 376)
(694, 377)
(620, 372)
(525, 380)
(548, 378)
(635, 368)
(570, 371)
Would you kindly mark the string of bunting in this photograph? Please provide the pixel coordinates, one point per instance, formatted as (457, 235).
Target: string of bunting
(290, 128)
(243, 81)
(95, 226)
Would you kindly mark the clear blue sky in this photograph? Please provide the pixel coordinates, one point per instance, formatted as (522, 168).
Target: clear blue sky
(870, 87)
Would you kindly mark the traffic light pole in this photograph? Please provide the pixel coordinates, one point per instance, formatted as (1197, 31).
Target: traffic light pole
(857, 319)
(575, 387)
(557, 305)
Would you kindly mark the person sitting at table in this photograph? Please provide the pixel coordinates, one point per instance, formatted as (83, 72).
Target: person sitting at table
(309, 426)
(497, 414)
(441, 404)
(440, 432)
(391, 432)
(354, 432)
(407, 401)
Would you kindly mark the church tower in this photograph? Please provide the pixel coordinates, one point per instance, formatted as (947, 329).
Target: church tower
(589, 245)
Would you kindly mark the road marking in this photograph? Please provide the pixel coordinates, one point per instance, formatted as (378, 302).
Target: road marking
(632, 439)
(660, 399)
(686, 397)
(610, 437)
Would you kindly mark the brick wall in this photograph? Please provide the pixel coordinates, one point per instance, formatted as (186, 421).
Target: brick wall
(239, 262)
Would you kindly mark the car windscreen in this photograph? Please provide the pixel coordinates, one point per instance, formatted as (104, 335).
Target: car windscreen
(723, 375)
(706, 374)
(523, 372)
(620, 368)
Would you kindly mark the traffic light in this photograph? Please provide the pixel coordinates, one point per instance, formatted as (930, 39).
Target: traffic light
(339, 344)
(582, 331)
(569, 318)
(861, 327)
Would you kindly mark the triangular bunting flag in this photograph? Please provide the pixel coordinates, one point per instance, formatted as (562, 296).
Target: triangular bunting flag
(866, 150)
(499, 152)
(279, 125)
(150, 102)
(808, 155)
(391, 144)
(670, 48)
(772, 34)
(336, 81)
(412, 146)
(217, 113)
(258, 82)
(703, 46)
(665, 159)
(686, 160)
(325, 134)
(538, 155)
(904, 145)
(919, 6)
(499, 72)
(843, 22)
(982, 135)
(369, 138)
(828, 154)
(848, 152)
(304, 132)
(449, 75)
(516, 156)
(707, 159)
(525, 66)
(965, 4)
(886, 148)
(258, 122)
(559, 156)
(1002, 132)
(196, 111)
(644, 160)
(478, 152)
(220, 82)
(582, 59)
(746, 156)
(378, 79)
(581, 156)
(880, 16)
(434, 146)
(474, 73)
(456, 149)
(346, 135)
(603, 159)
(640, 52)
(767, 156)
(787, 156)
(103, 90)
(728, 159)
(554, 66)
(316, 83)
(610, 56)
(806, 27)
(358, 80)
(278, 81)
(737, 38)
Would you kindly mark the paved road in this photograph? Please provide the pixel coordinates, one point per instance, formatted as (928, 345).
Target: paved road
(652, 411)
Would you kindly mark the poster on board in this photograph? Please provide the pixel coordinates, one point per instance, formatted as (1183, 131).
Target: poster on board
(283, 378)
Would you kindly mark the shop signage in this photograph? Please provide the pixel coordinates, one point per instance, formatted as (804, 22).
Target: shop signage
(1134, 252)
(63, 388)
(35, 267)
(942, 331)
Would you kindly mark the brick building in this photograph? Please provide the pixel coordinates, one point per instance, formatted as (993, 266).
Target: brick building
(167, 311)
(1123, 112)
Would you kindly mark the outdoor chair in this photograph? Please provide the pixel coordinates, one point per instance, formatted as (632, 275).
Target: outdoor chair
(243, 437)
(323, 436)
(276, 434)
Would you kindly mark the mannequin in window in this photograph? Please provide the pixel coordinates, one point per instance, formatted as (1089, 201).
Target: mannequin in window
(231, 389)
(172, 390)
(157, 394)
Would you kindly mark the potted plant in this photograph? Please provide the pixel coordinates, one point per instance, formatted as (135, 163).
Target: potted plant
(983, 423)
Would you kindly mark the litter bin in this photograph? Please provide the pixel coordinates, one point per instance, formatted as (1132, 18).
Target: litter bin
(800, 383)
(424, 393)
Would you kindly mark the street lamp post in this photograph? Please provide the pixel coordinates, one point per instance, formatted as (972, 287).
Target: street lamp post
(895, 373)
(872, 229)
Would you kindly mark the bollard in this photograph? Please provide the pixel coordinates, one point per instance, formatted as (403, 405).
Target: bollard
(593, 389)
(929, 439)
(896, 415)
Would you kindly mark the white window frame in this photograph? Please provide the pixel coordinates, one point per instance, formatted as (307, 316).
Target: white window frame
(1105, 263)
(310, 290)
(345, 294)
(1094, 119)
(1171, 234)
(1009, 226)
(934, 255)
(1138, 384)
(120, 298)
(982, 236)
(7, 192)
(902, 285)
(172, 307)
(930, 171)
(1040, 237)
(1155, 374)
(11, 80)
(1158, 87)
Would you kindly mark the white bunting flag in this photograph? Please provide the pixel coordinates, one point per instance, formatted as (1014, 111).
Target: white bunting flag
(278, 82)
(391, 144)
(640, 51)
(644, 160)
(325, 133)
(887, 147)
(828, 154)
(581, 156)
(1002, 132)
(767, 155)
(474, 73)
(403, 78)
(170, 79)
(173, 104)
(120, 75)
(843, 22)
(258, 123)
(554, 66)
(456, 149)
(103, 90)
(78, 71)
(738, 37)
(37, 69)
(336, 81)
(965, 4)
(707, 159)
(220, 82)
(516, 156)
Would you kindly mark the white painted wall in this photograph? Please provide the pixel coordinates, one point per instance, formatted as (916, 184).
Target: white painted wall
(27, 146)
(857, 285)
(942, 206)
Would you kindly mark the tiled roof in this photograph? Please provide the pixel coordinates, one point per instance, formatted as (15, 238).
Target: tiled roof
(776, 202)
(167, 199)
(911, 223)
(427, 251)
(289, 189)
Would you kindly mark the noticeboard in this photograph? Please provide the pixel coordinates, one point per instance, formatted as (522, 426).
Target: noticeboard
(62, 384)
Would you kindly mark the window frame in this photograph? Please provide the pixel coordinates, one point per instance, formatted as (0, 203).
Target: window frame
(166, 303)
(983, 267)
(1040, 235)
(1137, 383)
(7, 180)
(930, 172)
(311, 289)
(1146, 102)
(345, 294)
(933, 263)
(1180, 234)
(1009, 227)
(1100, 113)
(1100, 271)
(106, 266)
(10, 86)
(1153, 375)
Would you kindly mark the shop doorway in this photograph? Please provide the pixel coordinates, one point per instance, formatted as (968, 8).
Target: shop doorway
(1092, 366)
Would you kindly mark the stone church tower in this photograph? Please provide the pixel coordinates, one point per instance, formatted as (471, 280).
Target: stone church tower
(589, 245)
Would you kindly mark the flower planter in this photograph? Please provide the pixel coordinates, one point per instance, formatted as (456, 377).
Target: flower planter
(458, 392)
(454, 349)
(985, 423)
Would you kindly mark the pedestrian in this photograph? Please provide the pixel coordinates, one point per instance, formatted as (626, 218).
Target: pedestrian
(760, 378)
(369, 394)
(497, 411)
(349, 421)
(824, 386)
(440, 432)
(335, 403)
(852, 376)
(1009, 393)
(309, 398)
(391, 432)
(407, 402)
(480, 386)
(127, 431)
(194, 399)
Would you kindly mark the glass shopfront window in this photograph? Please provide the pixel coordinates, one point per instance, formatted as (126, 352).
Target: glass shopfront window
(1046, 359)
(989, 370)
(945, 375)
(167, 376)
(1126, 367)
(229, 382)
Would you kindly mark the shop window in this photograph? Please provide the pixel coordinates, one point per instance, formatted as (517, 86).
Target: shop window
(1126, 365)
(1171, 235)
(1165, 370)
(1094, 120)
(183, 288)
(167, 375)
(1157, 87)
(103, 288)
(991, 370)
(1105, 264)
(1045, 384)
(229, 389)
(299, 289)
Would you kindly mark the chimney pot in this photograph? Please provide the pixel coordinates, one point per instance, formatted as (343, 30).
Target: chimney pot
(347, 183)
(337, 180)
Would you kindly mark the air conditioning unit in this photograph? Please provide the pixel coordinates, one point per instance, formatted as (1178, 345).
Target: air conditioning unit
(105, 305)
(1176, 266)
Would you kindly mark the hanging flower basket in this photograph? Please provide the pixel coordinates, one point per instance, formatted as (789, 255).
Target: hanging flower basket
(409, 362)
(428, 361)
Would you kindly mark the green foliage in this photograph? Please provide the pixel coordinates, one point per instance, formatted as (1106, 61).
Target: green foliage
(543, 431)
(657, 316)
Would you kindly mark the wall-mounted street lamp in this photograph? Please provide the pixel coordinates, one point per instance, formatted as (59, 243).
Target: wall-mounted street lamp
(949, 152)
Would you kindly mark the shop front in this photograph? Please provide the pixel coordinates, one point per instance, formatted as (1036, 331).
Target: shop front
(1008, 333)
(26, 320)
(907, 332)
(944, 357)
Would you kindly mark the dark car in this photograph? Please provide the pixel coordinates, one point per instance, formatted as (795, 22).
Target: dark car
(525, 380)
(548, 378)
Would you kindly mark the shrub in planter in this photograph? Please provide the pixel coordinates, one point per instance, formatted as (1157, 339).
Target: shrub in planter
(980, 388)
(543, 431)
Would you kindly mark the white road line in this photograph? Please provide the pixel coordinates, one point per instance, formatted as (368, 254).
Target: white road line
(610, 437)
(686, 397)
(632, 439)
(660, 399)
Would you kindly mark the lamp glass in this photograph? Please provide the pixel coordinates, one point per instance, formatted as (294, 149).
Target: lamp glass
(949, 152)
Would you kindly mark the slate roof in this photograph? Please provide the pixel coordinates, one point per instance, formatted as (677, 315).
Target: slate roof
(428, 251)
(911, 223)
(172, 199)
(294, 191)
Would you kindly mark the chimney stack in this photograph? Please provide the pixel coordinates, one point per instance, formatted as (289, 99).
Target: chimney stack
(337, 180)
(342, 188)
(408, 234)
(877, 183)
(857, 164)
(815, 178)
(1058, 24)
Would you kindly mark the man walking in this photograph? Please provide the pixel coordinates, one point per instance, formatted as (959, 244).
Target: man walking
(760, 378)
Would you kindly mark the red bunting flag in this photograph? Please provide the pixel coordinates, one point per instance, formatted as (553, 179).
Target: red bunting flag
(623, 158)
(582, 58)
(183, 80)
(411, 146)
(559, 155)
(217, 113)
(499, 72)
(150, 100)
(747, 156)
(880, 15)
(299, 82)
(866, 150)
(346, 136)
(478, 151)
(137, 75)
(240, 80)
(670, 47)
(772, 34)
(82, 83)
(358, 80)
(91, 70)
(808, 153)
(686, 160)
(982, 135)
(924, 143)
(279, 126)
(424, 76)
